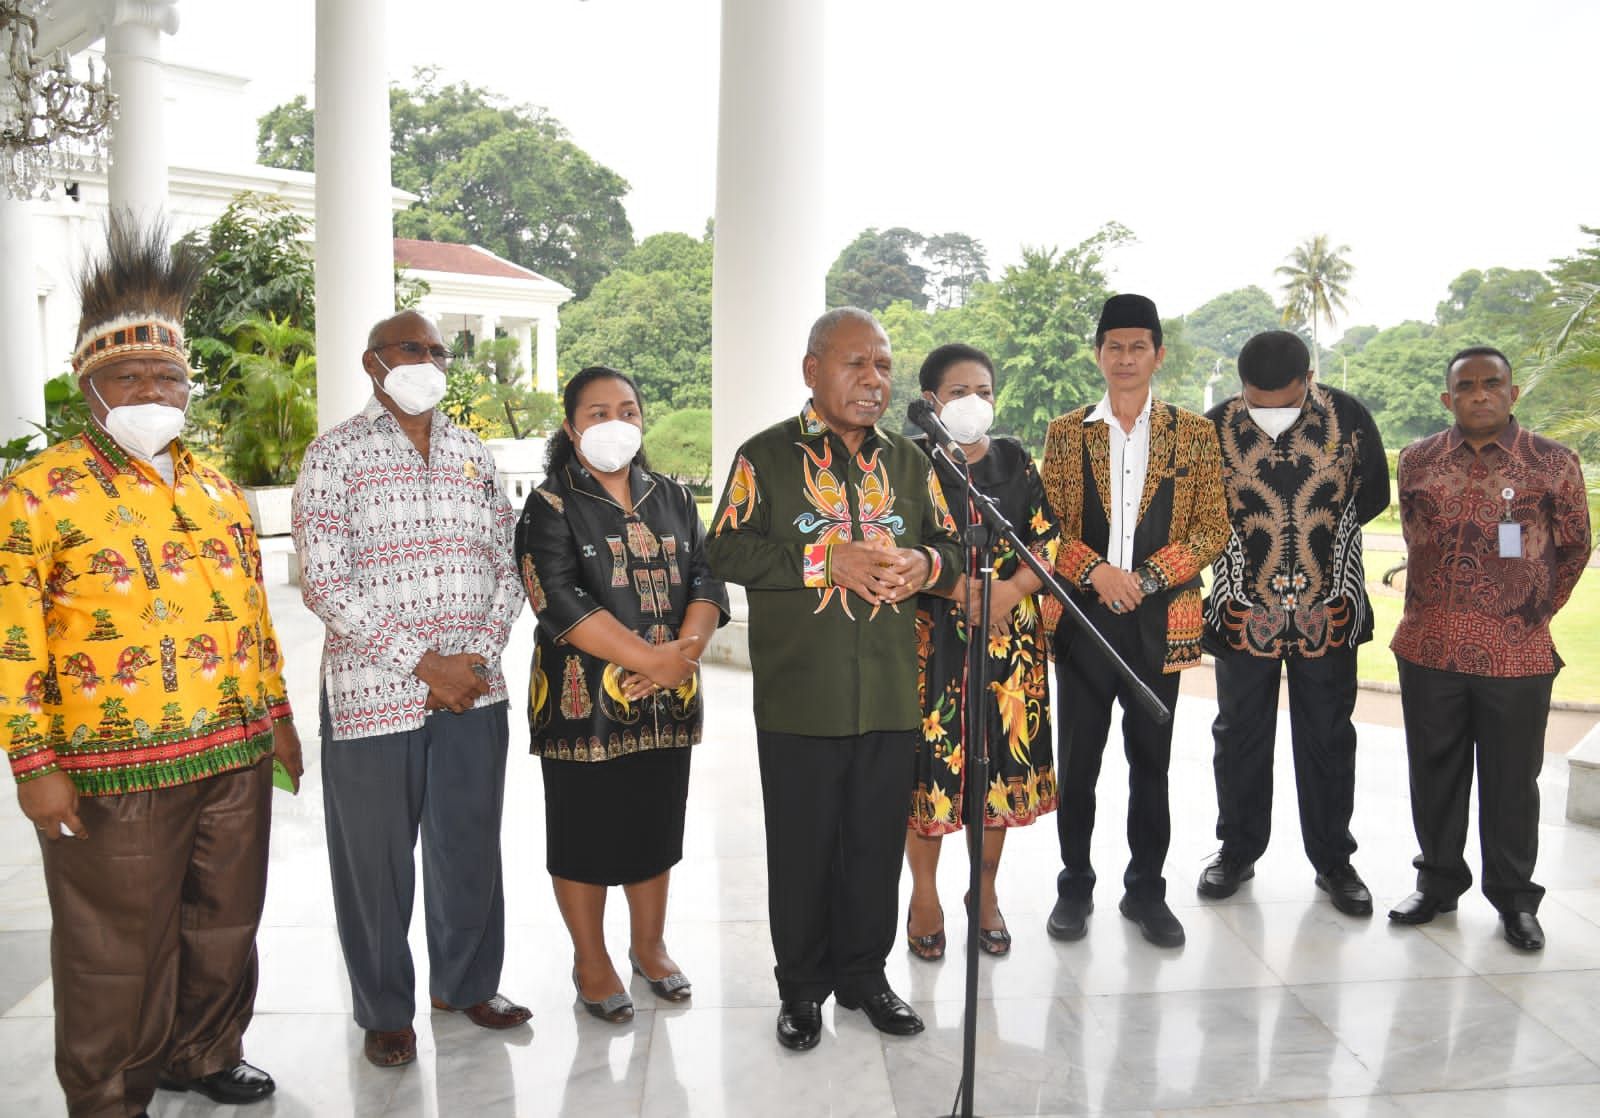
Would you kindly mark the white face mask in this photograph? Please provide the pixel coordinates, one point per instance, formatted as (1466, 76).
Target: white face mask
(1274, 421)
(415, 388)
(967, 418)
(143, 430)
(611, 445)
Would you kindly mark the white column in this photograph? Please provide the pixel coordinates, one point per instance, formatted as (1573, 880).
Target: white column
(544, 368)
(355, 232)
(21, 369)
(137, 178)
(523, 332)
(769, 259)
(487, 323)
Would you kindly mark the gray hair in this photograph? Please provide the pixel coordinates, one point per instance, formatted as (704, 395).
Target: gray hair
(822, 329)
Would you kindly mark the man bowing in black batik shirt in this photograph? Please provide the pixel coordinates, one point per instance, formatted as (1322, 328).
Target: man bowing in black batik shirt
(1304, 469)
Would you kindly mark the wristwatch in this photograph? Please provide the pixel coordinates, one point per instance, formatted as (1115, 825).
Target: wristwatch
(1148, 583)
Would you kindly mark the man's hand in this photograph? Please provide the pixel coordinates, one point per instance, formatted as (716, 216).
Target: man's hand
(286, 750)
(1118, 589)
(452, 684)
(49, 801)
(878, 574)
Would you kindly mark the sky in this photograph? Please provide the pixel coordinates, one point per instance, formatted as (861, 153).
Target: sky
(1430, 137)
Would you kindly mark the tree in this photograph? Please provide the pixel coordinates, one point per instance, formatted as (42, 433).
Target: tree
(1039, 322)
(261, 268)
(877, 269)
(1562, 383)
(650, 318)
(1226, 322)
(507, 177)
(1316, 283)
(679, 445)
(956, 264)
(267, 407)
(286, 136)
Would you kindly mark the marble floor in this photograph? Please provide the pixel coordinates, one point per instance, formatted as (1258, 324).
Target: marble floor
(1277, 1005)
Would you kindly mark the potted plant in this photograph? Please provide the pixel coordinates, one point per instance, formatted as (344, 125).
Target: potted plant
(265, 413)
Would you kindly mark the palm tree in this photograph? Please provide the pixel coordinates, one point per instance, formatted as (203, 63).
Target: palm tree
(1315, 286)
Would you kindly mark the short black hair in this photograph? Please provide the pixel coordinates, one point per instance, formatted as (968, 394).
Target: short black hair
(1274, 359)
(1472, 351)
(559, 450)
(938, 363)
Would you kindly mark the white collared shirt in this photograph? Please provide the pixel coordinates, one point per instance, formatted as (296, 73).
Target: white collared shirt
(1130, 460)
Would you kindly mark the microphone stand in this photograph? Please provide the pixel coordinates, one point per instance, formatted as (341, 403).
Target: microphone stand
(982, 523)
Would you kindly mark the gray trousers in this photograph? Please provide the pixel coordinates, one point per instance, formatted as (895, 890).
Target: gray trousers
(448, 779)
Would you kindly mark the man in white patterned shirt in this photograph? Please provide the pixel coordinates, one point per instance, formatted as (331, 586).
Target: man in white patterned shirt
(405, 553)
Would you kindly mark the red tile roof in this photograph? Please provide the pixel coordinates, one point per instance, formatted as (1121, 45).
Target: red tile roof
(438, 256)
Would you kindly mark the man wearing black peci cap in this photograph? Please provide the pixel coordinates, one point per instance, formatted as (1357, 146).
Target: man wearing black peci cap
(1137, 484)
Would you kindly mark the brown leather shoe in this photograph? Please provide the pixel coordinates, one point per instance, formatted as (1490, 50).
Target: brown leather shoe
(390, 1049)
(498, 1012)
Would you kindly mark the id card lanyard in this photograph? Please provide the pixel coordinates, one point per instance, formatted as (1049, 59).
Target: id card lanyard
(1510, 530)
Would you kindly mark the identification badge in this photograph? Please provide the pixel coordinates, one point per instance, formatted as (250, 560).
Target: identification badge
(1510, 540)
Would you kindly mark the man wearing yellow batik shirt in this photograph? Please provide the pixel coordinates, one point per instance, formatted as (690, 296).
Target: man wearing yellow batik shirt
(142, 695)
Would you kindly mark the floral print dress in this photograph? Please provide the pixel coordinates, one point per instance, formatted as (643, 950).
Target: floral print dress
(1022, 781)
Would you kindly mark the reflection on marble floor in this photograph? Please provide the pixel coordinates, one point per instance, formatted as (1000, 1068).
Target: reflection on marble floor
(1278, 1006)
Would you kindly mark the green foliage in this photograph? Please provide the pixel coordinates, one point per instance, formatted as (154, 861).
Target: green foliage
(1225, 323)
(651, 318)
(507, 177)
(679, 445)
(66, 413)
(1039, 320)
(261, 269)
(1316, 283)
(486, 393)
(902, 265)
(267, 407)
(285, 137)
(1562, 382)
(877, 269)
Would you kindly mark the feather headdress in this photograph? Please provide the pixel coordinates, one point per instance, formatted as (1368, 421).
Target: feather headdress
(134, 296)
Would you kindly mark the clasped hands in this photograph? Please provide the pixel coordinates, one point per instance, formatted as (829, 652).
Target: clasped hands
(1003, 599)
(671, 665)
(1118, 589)
(453, 681)
(880, 574)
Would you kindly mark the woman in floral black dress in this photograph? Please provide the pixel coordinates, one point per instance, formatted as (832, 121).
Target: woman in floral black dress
(959, 381)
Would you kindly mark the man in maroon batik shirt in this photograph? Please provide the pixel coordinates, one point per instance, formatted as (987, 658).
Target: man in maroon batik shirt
(1497, 532)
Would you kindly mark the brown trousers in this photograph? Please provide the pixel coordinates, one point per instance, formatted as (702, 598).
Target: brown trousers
(153, 936)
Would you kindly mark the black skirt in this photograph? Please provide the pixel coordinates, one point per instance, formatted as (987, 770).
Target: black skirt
(615, 822)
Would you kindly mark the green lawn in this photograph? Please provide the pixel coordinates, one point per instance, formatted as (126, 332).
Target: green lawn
(1576, 630)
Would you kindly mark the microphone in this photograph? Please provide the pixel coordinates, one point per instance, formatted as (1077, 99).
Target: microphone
(921, 415)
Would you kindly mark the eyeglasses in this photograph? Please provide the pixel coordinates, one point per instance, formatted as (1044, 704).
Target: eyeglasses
(436, 353)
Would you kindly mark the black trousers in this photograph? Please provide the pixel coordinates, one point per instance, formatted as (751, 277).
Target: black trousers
(836, 833)
(1322, 698)
(1451, 720)
(1086, 686)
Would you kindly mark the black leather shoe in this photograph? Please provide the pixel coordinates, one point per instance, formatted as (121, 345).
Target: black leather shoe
(1069, 920)
(1419, 908)
(1222, 877)
(887, 1011)
(1155, 920)
(1346, 890)
(1523, 931)
(240, 1084)
(799, 1024)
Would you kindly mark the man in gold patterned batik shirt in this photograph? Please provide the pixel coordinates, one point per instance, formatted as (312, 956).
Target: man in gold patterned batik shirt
(1137, 484)
(142, 690)
(1304, 469)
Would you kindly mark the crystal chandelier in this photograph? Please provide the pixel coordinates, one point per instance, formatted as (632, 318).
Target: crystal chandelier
(51, 123)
